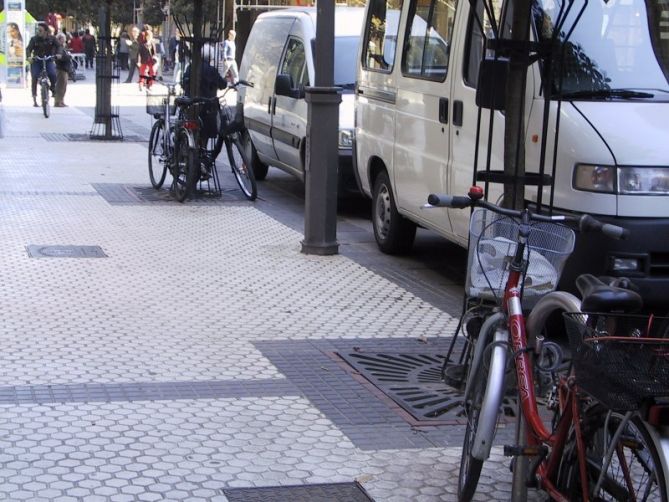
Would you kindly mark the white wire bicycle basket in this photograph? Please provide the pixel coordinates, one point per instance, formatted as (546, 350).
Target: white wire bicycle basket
(492, 245)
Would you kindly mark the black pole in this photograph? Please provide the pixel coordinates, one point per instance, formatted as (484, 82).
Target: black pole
(322, 154)
(514, 131)
(196, 56)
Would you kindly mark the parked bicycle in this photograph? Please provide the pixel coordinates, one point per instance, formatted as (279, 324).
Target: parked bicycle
(598, 446)
(175, 144)
(44, 85)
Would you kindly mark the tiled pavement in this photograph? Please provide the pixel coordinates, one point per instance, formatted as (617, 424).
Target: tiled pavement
(196, 357)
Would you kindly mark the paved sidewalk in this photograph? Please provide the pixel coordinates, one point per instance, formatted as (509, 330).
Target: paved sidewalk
(199, 355)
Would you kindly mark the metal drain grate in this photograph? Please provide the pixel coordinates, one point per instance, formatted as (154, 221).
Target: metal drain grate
(414, 382)
(120, 194)
(332, 492)
(39, 251)
(59, 137)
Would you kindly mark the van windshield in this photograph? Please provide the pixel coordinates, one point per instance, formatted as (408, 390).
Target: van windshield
(617, 49)
(345, 60)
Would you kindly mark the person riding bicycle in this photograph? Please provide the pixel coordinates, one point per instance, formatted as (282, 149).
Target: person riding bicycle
(210, 82)
(42, 45)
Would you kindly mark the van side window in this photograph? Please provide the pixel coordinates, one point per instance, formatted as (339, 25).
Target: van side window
(428, 39)
(294, 63)
(380, 39)
(475, 45)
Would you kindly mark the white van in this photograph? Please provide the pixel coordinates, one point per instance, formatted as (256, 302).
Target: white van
(279, 60)
(416, 122)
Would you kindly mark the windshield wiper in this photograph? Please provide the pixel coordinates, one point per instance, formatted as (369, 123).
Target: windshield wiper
(608, 93)
(346, 86)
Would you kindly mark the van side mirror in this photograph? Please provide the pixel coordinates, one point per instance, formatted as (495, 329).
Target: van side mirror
(284, 87)
(491, 88)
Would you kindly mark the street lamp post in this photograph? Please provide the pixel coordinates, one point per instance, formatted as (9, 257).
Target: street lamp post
(320, 211)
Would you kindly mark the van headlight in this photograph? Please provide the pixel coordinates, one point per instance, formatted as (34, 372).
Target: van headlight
(345, 138)
(643, 180)
(622, 180)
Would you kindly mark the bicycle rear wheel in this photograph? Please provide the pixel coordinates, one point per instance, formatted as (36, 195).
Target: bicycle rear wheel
(186, 170)
(241, 167)
(157, 155)
(634, 470)
(44, 94)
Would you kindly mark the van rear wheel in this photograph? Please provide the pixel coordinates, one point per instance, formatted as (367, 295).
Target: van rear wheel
(394, 234)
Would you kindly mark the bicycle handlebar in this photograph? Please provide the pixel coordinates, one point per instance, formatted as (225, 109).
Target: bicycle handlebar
(44, 58)
(186, 101)
(586, 223)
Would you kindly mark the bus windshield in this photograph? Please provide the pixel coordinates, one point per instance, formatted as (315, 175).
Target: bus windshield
(617, 49)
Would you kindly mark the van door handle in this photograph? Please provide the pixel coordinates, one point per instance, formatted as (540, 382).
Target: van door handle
(443, 110)
(458, 112)
(269, 105)
(274, 107)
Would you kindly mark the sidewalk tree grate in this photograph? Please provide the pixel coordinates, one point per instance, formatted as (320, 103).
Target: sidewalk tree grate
(42, 251)
(332, 492)
(122, 194)
(60, 137)
(413, 381)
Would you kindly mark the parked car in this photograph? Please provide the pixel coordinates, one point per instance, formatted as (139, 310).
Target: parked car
(279, 60)
(416, 127)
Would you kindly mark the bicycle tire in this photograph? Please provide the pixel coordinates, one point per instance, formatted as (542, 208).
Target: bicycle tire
(44, 95)
(186, 165)
(483, 398)
(241, 167)
(636, 453)
(158, 158)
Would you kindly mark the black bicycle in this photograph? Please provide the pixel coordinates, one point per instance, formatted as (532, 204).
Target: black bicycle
(199, 160)
(175, 143)
(44, 85)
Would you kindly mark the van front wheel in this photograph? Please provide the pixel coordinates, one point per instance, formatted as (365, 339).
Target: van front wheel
(259, 168)
(394, 234)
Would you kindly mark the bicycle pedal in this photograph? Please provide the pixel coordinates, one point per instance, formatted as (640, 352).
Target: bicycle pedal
(525, 451)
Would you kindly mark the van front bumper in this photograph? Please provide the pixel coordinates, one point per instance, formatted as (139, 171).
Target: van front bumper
(643, 257)
(346, 181)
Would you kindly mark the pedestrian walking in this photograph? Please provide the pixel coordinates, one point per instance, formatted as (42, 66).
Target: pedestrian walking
(147, 59)
(89, 48)
(63, 67)
(77, 47)
(230, 69)
(133, 53)
(123, 50)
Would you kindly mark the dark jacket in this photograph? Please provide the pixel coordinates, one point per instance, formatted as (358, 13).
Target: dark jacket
(63, 60)
(210, 82)
(89, 45)
(38, 46)
(147, 53)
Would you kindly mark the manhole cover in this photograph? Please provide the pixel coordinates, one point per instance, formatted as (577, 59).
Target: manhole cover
(39, 251)
(332, 492)
(414, 382)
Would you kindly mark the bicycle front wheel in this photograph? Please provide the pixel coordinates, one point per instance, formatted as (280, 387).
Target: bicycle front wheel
(186, 169)
(633, 471)
(241, 168)
(483, 399)
(157, 155)
(44, 93)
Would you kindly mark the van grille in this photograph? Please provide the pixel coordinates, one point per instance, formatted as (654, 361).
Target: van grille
(659, 264)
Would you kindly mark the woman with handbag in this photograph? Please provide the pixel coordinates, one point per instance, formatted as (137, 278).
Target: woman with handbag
(146, 59)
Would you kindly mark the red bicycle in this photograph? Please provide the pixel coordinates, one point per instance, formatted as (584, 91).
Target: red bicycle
(608, 438)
